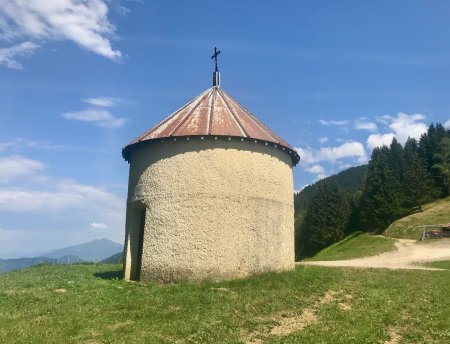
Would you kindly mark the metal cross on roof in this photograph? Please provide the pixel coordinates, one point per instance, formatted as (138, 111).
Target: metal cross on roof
(216, 53)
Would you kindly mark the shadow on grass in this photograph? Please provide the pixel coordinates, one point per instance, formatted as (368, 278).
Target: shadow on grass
(109, 275)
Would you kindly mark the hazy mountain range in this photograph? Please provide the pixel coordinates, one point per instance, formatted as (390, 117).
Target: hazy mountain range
(94, 251)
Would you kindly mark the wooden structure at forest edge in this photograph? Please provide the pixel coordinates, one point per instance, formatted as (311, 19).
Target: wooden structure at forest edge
(434, 231)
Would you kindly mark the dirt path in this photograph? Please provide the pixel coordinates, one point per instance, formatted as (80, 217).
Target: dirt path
(409, 255)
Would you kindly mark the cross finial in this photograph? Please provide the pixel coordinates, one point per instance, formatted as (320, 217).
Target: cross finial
(216, 53)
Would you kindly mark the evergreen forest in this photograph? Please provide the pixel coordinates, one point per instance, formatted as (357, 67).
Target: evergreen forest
(396, 182)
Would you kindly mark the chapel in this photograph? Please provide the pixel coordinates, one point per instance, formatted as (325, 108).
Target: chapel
(210, 195)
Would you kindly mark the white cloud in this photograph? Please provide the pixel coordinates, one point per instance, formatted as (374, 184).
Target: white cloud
(9, 55)
(405, 126)
(320, 176)
(323, 140)
(54, 210)
(13, 167)
(19, 144)
(402, 126)
(376, 140)
(352, 149)
(316, 169)
(84, 22)
(345, 166)
(102, 101)
(333, 122)
(363, 124)
(98, 225)
(447, 124)
(62, 195)
(385, 119)
(100, 117)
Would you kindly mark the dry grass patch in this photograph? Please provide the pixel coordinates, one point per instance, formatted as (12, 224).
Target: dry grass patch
(345, 306)
(394, 336)
(296, 323)
(119, 325)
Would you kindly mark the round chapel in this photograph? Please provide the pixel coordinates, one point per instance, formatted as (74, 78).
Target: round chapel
(210, 195)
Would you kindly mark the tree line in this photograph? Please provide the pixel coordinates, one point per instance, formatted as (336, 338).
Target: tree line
(396, 182)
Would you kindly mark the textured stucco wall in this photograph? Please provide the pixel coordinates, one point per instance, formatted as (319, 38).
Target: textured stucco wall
(216, 209)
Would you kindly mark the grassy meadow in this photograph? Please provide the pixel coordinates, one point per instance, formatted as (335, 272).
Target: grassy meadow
(356, 245)
(432, 213)
(92, 304)
(440, 265)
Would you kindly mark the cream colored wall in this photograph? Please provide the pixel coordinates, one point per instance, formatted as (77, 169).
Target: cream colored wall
(216, 209)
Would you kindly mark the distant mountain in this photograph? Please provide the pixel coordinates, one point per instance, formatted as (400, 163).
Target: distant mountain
(20, 263)
(15, 254)
(93, 251)
(114, 259)
(69, 259)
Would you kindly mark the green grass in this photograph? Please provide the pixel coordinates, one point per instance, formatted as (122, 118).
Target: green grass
(356, 245)
(433, 213)
(91, 304)
(445, 264)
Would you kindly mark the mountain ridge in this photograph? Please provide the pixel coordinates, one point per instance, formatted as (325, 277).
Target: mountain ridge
(93, 251)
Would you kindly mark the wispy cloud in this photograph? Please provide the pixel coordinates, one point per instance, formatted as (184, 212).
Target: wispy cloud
(323, 140)
(447, 124)
(83, 22)
(100, 117)
(353, 149)
(13, 167)
(98, 225)
(18, 144)
(63, 195)
(8, 56)
(56, 205)
(324, 122)
(103, 101)
(364, 124)
(315, 169)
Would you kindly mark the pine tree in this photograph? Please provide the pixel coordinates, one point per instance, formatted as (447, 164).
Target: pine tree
(443, 162)
(325, 219)
(396, 159)
(397, 166)
(381, 202)
(417, 182)
(428, 147)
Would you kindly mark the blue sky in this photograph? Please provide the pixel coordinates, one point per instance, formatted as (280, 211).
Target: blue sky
(79, 79)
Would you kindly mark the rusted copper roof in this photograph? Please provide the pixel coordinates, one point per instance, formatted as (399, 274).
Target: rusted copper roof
(212, 113)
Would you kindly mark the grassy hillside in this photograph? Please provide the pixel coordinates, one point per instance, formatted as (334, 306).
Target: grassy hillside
(93, 251)
(433, 213)
(356, 245)
(350, 180)
(91, 304)
(114, 259)
(445, 264)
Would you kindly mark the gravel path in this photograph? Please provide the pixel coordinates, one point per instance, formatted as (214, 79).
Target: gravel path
(409, 255)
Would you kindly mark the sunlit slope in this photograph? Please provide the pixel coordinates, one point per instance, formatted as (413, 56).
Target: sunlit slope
(433, 213)
(357, 245)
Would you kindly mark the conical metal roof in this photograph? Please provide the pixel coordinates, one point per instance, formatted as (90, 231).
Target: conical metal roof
(212, 113)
